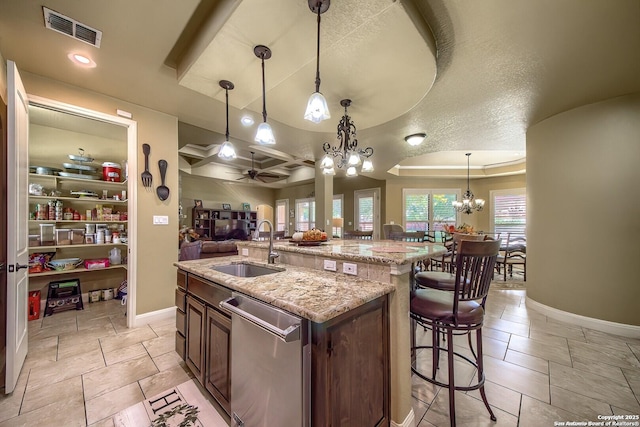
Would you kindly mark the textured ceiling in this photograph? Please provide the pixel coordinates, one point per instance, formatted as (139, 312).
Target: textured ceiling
(502, 65)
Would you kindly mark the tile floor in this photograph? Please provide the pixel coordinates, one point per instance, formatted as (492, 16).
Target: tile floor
(539, 371)
(84, 366)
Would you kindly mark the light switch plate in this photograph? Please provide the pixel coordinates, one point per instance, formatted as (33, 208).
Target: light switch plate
(245, 251)
(160, 220)
(348, 268)
(330, 265)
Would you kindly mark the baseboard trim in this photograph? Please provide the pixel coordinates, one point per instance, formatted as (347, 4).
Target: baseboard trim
(409, 421)
(154, 316)
(622, 329)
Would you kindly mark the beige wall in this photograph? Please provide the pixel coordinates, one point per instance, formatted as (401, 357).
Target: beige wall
(157, 249)
(341, 185)
(583, 213)
(214, 192)
(480, 187)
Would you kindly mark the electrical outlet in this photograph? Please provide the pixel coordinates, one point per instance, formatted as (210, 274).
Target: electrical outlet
(330, 265)
(348, 268)
(245, 251)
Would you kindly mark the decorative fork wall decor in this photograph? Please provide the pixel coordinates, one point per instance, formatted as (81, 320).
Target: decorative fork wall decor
(147, 178)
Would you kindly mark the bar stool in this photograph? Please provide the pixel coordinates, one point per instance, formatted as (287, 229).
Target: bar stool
(458, 312)
(441, 279)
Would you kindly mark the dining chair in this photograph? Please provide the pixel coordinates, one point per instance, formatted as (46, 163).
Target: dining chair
(387, 229)
(513, 253)
(357, 235)
(407, 236)
(457, 313)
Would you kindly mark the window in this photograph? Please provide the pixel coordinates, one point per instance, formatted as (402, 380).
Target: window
(282, 215)
(337, 212)
(367, 210)
(428, 210)
(305, 214)
(509, 211)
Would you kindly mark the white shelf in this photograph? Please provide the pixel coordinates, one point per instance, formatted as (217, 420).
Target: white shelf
(83, 245)
(77, 270)
(84, 183)
(90, 200)
(73, 221)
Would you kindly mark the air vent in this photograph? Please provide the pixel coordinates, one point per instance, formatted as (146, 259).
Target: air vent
(72, 28)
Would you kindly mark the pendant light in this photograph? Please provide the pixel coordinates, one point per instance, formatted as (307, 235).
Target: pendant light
(264, 136)
(227, 151)
(468, 204)
(317, 109)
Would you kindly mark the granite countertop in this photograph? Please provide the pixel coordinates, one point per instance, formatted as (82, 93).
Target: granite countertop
(375, 251)
(312, 294)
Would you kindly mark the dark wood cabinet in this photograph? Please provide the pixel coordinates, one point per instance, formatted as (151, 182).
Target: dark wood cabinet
(218, 357)
(195, 338)
(350, 368)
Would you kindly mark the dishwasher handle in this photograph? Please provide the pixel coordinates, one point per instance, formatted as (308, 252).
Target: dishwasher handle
(290, 334)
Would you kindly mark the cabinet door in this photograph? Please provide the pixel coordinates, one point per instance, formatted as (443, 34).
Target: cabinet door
(218, 357)
(196, 315)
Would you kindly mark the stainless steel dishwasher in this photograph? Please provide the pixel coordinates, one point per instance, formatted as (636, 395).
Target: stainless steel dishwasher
(270, 365)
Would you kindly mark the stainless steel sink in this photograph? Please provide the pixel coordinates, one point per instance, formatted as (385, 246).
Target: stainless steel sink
(242, 269)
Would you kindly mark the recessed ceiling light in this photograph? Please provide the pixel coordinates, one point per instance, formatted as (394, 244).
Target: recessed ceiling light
(81, 60)
(246, 120)
(415, 139)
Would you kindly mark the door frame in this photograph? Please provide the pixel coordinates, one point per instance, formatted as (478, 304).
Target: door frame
(132, 206)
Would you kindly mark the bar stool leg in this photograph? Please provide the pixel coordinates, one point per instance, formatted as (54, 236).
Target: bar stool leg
(481, 373)
(452, 385)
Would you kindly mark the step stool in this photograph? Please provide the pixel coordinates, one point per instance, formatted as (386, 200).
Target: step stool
(63, 295)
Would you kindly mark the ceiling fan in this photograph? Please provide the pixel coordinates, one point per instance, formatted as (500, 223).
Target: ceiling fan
(256, 175)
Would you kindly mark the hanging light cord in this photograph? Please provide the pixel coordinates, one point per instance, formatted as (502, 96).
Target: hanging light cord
(226, 91)
(318, 51)
(264, 99)
(468, 185)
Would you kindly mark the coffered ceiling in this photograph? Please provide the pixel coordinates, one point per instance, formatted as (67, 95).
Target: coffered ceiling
(472, 75)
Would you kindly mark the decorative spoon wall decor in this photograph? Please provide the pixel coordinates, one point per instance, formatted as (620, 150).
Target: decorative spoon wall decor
(162, 190)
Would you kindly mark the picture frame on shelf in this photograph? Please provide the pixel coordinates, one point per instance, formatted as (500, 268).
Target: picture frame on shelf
(198, 203)
(246, 207)
(226, 206)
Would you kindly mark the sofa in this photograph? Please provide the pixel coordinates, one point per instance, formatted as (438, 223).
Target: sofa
(199, 249)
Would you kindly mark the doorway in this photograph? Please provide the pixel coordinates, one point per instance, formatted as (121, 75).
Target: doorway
(367, 211)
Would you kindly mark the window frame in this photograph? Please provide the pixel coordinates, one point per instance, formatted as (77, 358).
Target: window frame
(312, 213)
(522, 191)
(285, 203)
(429, 192)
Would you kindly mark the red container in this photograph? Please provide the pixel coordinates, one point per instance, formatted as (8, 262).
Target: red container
(111, 172)
(34, 305)
(92, 264)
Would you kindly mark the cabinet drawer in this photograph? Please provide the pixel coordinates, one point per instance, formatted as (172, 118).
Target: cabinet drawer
(181, 279)
(180, 345)
(209, 292)
(181, 301)
(181, 322)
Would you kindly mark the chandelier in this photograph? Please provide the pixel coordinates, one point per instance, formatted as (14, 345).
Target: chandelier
(346, 150)
(468, 204)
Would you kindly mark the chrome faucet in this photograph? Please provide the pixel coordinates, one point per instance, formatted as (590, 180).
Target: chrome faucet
(271, 258)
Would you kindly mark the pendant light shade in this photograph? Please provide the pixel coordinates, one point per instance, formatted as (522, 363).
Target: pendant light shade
(317, 108)
(264, 135)
(227, 151)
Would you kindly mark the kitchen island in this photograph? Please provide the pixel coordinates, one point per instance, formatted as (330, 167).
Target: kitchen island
(379, 290)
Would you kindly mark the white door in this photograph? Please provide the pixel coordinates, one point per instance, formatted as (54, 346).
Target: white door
(367, 211)
(17, 227)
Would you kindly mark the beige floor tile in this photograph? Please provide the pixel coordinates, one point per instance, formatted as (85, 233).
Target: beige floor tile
(125, 339)
(72, 348)
(599, 353)
(113, 377)
(167, 360)
(52, 331)
(495, 334)
(41, 352)
(88, 322)
(107, 422)
(593, 386)
(560, 329)
(160, 345)
(517, 378)
(547, 338)
(558, 353)
(423, 390)
(609, 340)
(500, 397)
(121, 354)
(419, 409)
(578, 404)
(65, 369)
(164, 327)
(10, 403)
(469, 412)
(600, 368)
(67, 391)
(633, 379)
(536, 413)
(507, 326)
(51, 415)
(527, 361)
(112, 402)
(60, 319)
(163, 380)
